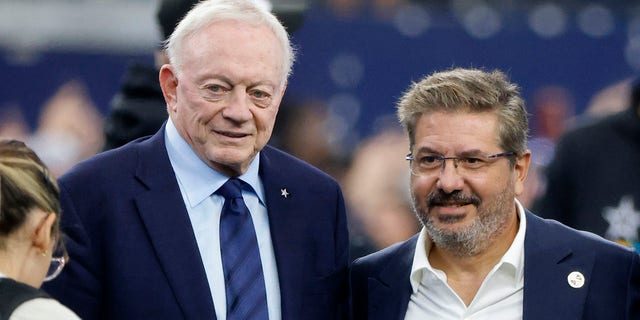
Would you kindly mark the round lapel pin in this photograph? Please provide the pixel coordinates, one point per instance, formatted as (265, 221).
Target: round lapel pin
(575, 279)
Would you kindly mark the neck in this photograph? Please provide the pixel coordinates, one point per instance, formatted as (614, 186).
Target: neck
(10, 264)
(23, 263)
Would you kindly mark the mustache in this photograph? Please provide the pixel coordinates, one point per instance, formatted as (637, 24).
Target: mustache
(456, 198)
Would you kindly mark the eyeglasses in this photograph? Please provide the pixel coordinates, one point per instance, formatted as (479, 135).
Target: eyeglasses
(427, 164)
(57, 264)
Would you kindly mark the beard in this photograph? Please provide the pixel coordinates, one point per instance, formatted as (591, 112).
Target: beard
(470, 240)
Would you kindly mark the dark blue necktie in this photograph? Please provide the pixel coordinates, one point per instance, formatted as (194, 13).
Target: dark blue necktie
(246, 294)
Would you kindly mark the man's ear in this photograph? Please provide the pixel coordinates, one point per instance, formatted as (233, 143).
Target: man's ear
(41, 238)
(169, 85)
(521, 170)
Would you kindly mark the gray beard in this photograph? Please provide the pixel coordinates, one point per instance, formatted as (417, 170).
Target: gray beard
(476, 238)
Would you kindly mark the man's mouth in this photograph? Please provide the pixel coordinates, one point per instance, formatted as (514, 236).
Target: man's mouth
(231, 134)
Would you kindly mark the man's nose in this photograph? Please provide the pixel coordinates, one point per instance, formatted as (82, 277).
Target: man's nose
(449, 178)
(238, 106)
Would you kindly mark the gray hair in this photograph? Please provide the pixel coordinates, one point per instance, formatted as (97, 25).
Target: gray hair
(209, 11)
(468, 90)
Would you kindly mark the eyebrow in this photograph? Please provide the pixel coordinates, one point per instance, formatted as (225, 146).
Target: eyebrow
(204, 79)
(466, 153)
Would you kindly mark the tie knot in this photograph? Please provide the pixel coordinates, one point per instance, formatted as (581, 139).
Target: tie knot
(232, 189)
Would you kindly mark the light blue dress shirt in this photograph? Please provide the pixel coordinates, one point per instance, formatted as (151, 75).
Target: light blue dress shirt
(198, 182)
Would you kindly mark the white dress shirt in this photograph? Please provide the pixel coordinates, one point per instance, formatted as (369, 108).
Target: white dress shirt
(41, 309)
(198, 182)
(499, 297)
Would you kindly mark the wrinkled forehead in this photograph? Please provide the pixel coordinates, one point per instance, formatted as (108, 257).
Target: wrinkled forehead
(239, 36)
(456, 132)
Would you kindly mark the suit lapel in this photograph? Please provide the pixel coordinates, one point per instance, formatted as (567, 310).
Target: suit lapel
(164, 215)
(287, 232)
(390, 289)
(548, 262)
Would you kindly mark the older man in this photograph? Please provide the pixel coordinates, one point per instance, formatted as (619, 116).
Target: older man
(203, 220)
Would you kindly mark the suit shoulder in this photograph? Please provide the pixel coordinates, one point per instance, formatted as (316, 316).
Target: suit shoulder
(583, 240)
(391, 253)
(104, 165)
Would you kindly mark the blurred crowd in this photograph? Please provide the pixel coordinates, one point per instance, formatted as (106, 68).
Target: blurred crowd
(69, 127)
(373, 175)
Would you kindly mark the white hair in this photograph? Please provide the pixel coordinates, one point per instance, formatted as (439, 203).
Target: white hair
(255, 12)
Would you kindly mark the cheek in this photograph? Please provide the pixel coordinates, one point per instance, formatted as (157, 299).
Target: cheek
(421, 187)
(489, 187)
(199, 114)
(265, 121)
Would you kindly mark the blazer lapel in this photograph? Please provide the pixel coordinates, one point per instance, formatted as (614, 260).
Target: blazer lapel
(549, 260)
(287, 232)
(164, 215)
(390, 289)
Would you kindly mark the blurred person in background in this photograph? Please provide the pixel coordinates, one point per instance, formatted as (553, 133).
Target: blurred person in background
(593, 181)
(553, 112)
(611, 99)
(377, 196)
(31, 250)
(302, 130)
(139, 108)
(69, 128)
(12, 123)
(147, 223)
(480, 254)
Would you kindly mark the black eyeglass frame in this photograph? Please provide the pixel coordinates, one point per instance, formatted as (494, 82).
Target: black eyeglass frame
(409, 157)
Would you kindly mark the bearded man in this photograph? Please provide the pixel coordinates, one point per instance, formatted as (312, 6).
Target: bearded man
(480, 254)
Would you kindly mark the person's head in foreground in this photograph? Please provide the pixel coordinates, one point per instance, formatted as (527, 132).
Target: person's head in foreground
(468, 155)
(31, 250)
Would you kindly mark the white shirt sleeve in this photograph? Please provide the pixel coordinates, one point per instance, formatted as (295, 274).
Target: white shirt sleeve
(41, 309)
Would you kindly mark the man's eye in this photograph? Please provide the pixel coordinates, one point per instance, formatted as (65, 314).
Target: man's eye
(215, 88)
(428, 159)
(258, 94)
(473, 163)
(215, 92)
(260, 98)
(472, 160)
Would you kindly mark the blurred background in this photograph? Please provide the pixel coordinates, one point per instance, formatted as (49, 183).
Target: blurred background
(356, 56)
(63, 61)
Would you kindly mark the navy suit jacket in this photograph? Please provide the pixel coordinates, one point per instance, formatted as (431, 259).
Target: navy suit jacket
(381, 287)
(134, 255)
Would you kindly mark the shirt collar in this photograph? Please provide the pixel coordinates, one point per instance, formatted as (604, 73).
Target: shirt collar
(420, 261)
(197, 179)
(514, 255)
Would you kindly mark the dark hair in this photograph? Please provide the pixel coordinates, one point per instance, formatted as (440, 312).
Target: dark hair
(635, 93)
(468, 90)
(25, 184)
(170, 12)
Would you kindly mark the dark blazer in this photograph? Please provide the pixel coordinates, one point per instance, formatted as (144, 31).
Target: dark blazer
(134, 255)
(381, 287)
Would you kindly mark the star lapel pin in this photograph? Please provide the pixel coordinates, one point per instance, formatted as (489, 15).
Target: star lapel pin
(284, 193)
(576, 279)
